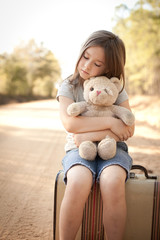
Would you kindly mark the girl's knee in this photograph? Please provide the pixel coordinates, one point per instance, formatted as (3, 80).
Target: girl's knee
(113, 175)
(112, 182)
(79, 181)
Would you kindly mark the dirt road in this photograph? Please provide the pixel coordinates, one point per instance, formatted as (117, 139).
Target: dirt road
(31, 149)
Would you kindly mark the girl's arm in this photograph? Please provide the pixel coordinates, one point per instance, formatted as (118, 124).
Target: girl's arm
(83, 124)
(99, 135)
(93, 136)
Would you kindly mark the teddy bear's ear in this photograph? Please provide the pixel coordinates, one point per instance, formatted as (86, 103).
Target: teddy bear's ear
(116, 81)
(85, 82)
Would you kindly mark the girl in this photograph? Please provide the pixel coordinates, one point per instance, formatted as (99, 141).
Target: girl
(102, 54)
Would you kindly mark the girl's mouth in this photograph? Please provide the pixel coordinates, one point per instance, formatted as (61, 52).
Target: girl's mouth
(84, 72)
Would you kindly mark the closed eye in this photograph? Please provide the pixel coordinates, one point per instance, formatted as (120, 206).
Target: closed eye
(97, 65)
(85, 57)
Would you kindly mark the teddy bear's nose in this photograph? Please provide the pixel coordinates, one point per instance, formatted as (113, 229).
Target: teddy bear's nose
(98, 92)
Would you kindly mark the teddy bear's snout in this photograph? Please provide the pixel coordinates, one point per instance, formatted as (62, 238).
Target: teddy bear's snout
(98, 92)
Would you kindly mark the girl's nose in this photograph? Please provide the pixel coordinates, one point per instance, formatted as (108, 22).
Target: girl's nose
(87, 65)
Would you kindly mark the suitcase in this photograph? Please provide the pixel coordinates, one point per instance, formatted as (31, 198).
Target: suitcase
(143, 208)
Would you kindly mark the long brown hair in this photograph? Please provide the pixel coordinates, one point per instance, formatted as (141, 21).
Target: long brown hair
(115, 55)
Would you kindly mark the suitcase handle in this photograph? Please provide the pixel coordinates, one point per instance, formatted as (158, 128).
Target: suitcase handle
(140, 167)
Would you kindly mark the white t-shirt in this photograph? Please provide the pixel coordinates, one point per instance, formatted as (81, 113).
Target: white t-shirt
(75, 92)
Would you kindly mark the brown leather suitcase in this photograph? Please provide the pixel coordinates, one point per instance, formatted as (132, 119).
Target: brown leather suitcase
(143, 209)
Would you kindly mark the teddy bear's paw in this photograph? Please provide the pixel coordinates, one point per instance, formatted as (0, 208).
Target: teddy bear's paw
(88, 150)
(74, 109)
(129, 119)
(107, 148)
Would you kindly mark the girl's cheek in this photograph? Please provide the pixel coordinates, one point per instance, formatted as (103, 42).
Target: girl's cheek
(79, 65)
(82, 62)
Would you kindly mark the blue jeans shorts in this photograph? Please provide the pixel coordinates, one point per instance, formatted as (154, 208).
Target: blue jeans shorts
(121, 158)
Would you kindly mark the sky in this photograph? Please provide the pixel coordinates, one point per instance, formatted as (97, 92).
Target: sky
(62, 25)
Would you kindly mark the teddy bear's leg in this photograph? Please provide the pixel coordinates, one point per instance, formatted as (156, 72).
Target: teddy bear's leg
(88, 150)
(107, 148)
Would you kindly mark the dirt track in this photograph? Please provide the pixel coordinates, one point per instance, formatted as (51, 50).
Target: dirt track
(31, 149)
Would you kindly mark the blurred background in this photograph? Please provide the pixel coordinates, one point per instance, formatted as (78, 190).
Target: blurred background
(40, 42)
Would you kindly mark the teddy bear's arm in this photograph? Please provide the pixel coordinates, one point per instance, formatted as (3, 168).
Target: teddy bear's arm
(124, 114)
(75, 109)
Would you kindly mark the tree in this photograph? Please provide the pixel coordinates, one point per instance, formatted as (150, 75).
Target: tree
(29, 67)
(141, 34)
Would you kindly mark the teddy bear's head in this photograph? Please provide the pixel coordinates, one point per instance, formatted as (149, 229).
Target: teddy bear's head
(101, 90)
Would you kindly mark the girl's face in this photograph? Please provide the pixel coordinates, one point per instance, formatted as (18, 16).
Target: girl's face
(92, 63)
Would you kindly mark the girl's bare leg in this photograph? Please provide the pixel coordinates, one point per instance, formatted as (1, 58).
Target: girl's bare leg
(79, 183)
(112, 184)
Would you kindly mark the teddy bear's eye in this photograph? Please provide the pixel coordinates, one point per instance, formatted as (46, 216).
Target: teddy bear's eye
(91, 89)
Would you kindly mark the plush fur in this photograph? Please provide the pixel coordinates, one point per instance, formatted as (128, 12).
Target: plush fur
(100, 94)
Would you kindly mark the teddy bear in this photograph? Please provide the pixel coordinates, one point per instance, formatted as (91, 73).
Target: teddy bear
(100, 94)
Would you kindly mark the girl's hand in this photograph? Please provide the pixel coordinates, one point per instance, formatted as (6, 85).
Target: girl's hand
(119, 128)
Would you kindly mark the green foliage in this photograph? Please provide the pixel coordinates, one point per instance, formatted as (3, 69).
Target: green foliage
(43, 87)
(30, 70)
(16, 77)
(140, 30)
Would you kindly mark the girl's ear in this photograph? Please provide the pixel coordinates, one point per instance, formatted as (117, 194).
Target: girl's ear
(117, 83)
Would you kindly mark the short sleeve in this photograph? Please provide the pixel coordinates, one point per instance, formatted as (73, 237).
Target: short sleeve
(123, 96)
(65, 89)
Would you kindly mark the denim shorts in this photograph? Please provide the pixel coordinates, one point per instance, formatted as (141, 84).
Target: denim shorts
(121, 158)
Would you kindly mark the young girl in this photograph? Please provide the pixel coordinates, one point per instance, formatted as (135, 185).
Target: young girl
(102, 54)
